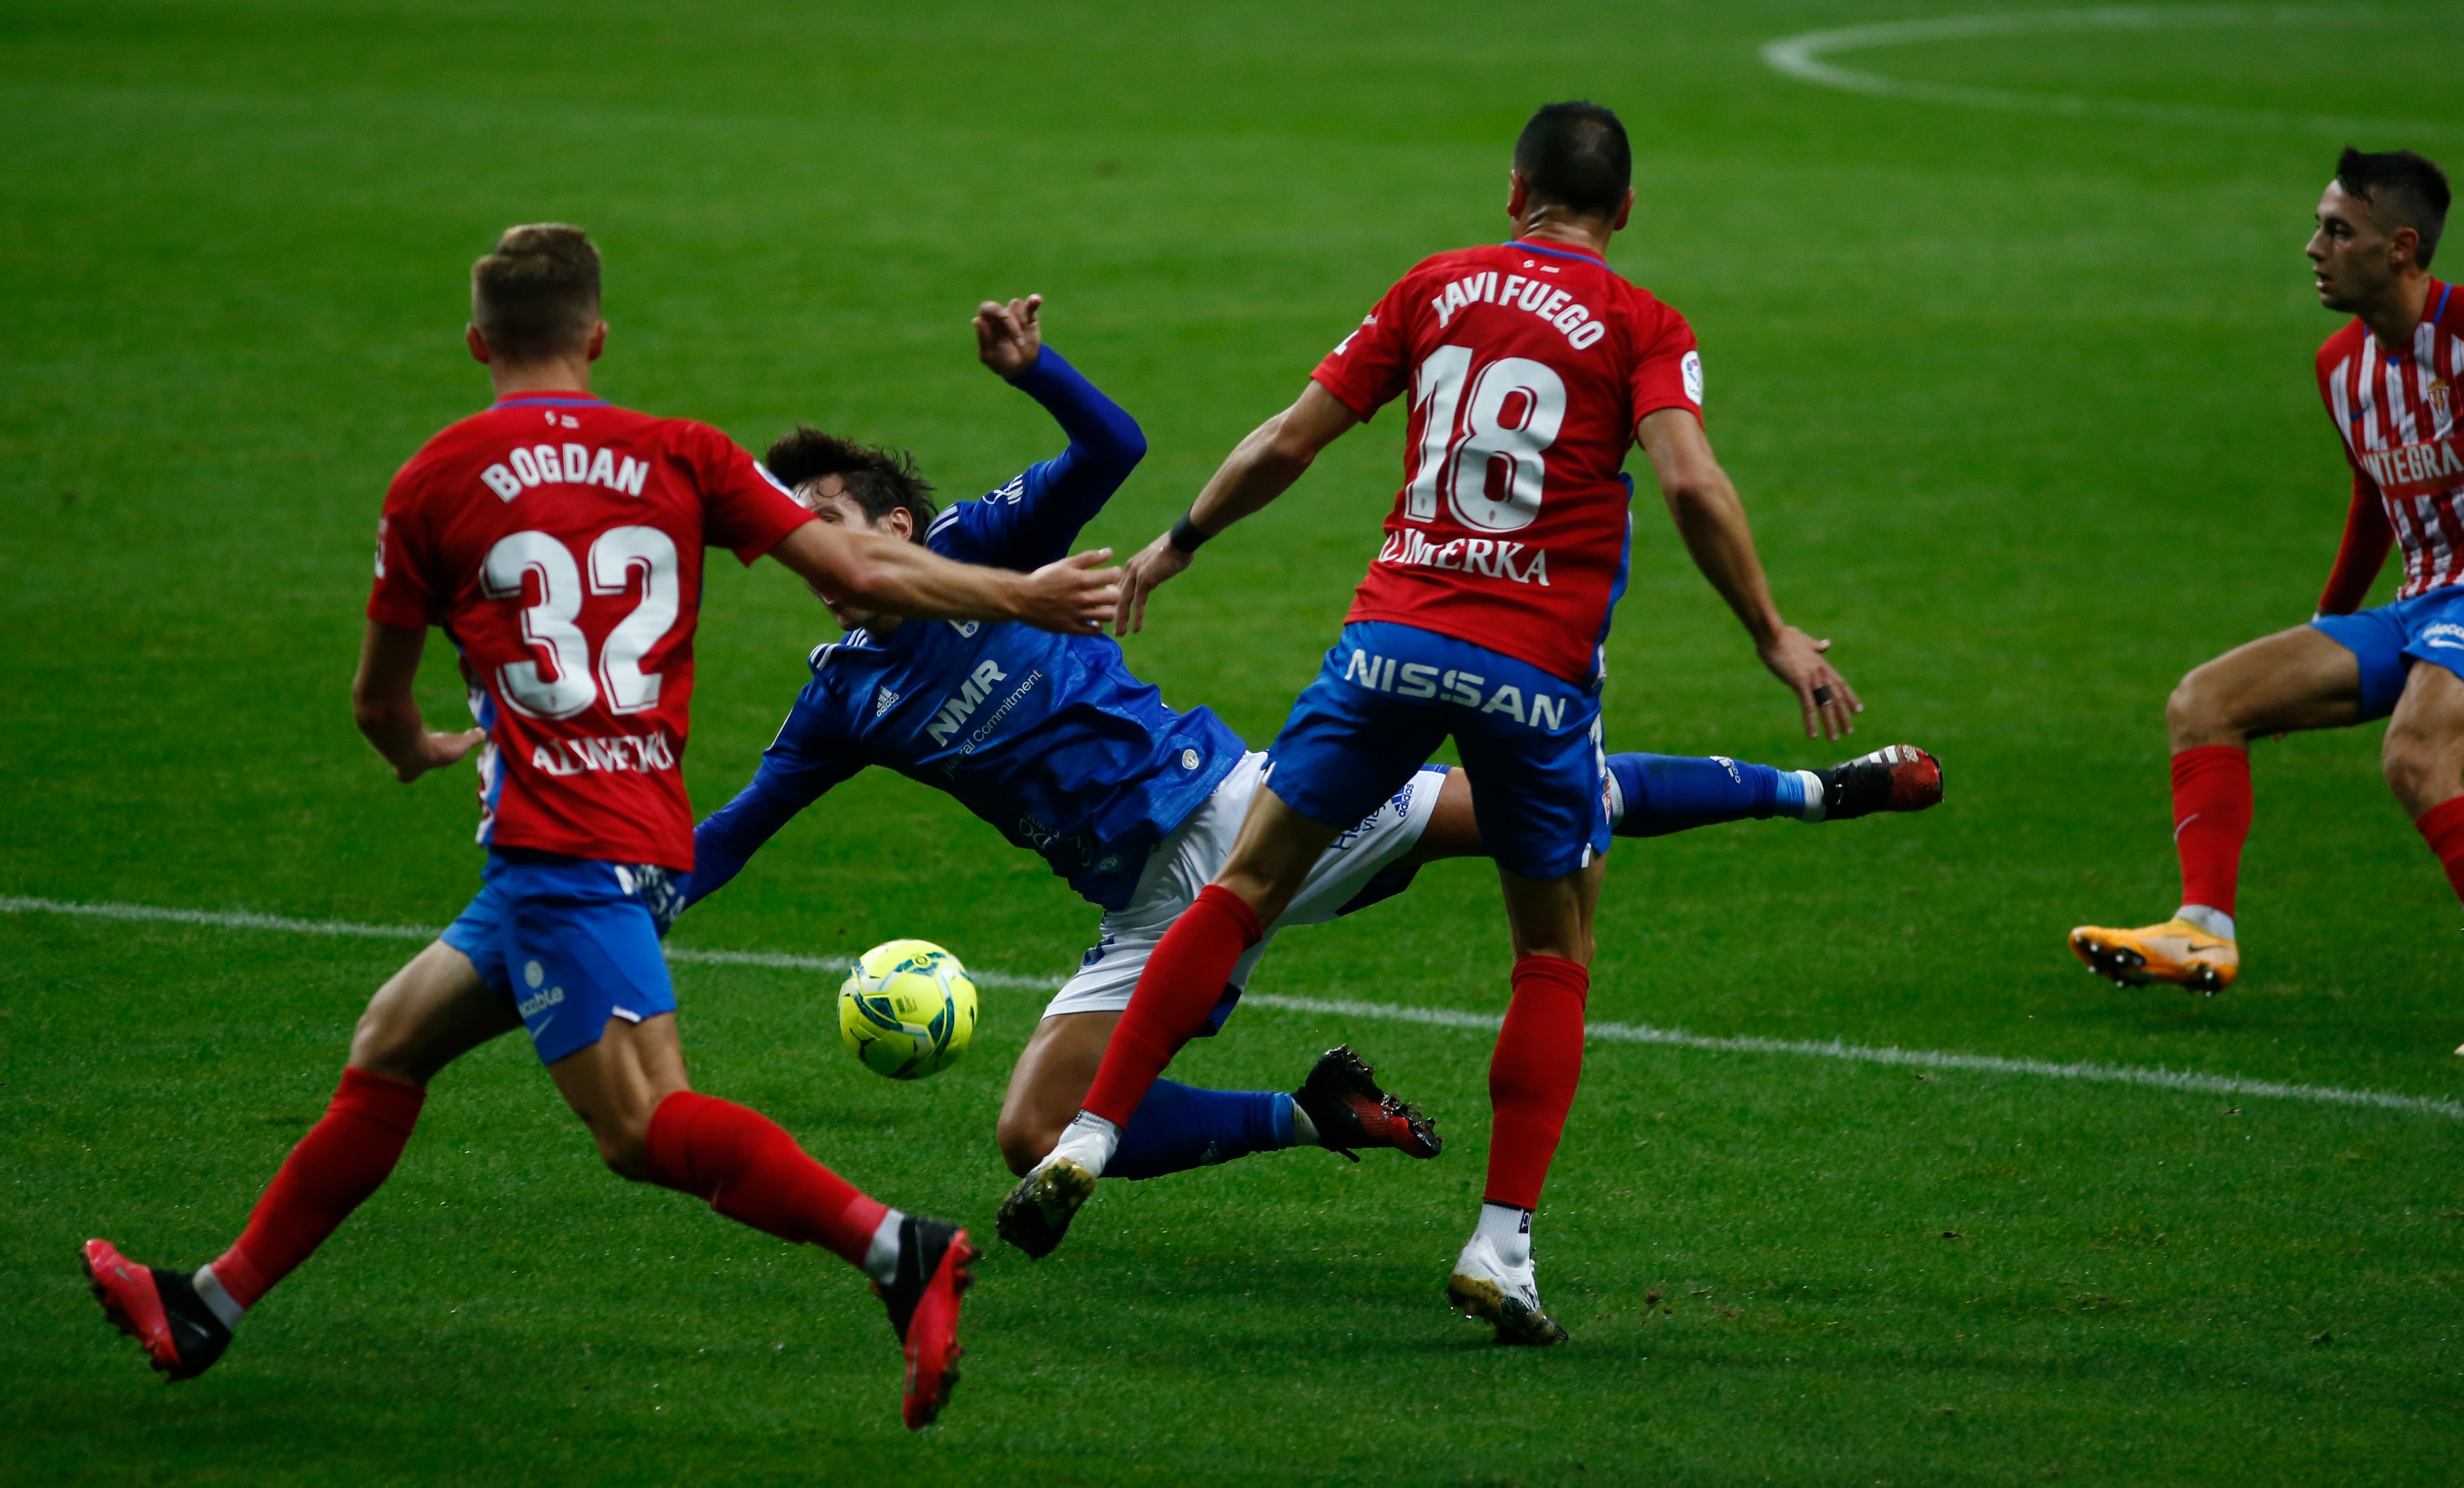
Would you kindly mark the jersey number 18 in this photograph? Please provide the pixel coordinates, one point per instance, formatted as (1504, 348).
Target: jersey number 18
(1489, 469)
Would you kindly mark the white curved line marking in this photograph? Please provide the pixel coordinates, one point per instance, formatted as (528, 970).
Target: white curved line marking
(1803, 57)
(1441, 1018)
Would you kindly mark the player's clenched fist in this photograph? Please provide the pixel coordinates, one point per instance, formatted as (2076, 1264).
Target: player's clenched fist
(1073, 596)
(1009, 338)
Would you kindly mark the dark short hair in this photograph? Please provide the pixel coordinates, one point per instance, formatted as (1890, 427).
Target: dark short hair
(1576, 155)
(2405, 190)
(881, 480)
(535, 294)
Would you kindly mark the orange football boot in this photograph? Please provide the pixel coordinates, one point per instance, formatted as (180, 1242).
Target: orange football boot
(2176, 953)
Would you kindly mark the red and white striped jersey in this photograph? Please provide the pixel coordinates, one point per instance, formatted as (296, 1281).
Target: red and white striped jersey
(2397, 415)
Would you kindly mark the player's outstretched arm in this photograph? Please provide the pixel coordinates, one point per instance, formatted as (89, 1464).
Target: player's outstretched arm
(1073, 596)
(1041, 514)
(1711, 518)
(1260, 468)
(389, 715)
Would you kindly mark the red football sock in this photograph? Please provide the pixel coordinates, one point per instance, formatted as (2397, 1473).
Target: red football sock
(346, 1157)
(2211, 821)
(1533, 1076)
(753, 1172)
(1183, 980)
(2442, 827)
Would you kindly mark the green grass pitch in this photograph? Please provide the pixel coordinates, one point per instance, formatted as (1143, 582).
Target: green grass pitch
(2021, 401)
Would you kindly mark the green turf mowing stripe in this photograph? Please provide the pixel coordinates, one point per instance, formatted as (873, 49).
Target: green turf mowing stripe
(2159, 1078)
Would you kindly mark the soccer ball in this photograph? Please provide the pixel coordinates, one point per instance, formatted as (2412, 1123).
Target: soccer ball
(907, 1010)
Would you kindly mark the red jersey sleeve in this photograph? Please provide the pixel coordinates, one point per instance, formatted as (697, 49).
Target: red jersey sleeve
(403, 595)
(1667, 369)
(1369, 367)
(744, 508)
(2368, 537)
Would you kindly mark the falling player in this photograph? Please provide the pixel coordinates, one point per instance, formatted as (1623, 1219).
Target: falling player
(2387, 377)
(1054, 742)
(559, 540)
(1532, 368)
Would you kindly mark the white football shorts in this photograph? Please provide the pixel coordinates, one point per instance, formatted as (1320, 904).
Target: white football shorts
(1187, 861)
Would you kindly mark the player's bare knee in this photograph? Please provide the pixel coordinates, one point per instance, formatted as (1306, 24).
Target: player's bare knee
(625, 1146)
(2197, 713)
(386, 1041)
(2422, 768)
(1025, 1136)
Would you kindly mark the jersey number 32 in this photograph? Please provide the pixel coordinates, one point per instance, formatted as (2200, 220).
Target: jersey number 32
(548, 626)
(1482, 438)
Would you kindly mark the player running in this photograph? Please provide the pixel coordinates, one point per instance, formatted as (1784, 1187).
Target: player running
(1053, 741)
(1531, 369)
(559, 541)
(2387, 378)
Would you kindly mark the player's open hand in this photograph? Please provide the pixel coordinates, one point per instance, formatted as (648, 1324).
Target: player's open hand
(1827, 699)
(1154, 563)
(1074, 596)
(435, 751)
(1008, 337)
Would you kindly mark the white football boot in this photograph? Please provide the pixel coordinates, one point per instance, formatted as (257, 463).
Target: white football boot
(1485, 1287)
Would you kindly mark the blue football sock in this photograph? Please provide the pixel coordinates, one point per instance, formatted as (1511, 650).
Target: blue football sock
(1178, 1127)
(1669, 792)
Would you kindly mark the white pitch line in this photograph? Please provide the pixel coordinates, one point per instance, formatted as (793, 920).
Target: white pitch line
(1930, 1059)
(245, 920)
(1803, 57)
(1441, 1018)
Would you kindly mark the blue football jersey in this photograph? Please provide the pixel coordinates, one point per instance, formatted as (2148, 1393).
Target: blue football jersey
(1049, 738)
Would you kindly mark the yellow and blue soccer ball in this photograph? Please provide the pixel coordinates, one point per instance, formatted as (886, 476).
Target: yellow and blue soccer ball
(907, 1010)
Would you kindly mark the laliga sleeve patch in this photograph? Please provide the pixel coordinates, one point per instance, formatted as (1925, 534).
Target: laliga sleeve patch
(1692, 368)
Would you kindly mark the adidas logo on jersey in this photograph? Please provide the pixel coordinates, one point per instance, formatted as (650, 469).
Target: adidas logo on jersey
(883, 701)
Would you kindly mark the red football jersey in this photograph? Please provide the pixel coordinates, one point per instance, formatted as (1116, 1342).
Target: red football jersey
(1528, 365)
(559, 541)
(2397, 415)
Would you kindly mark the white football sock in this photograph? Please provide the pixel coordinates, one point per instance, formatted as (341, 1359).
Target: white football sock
(1508, 1228)
(2215, 921)
(1812, 810)
(209, 1288)
(881, 1257)
(1089, 1141)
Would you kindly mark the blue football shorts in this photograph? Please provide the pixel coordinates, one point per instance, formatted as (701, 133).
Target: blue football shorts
(1389, 693)
(571, 943)
(2386, 641)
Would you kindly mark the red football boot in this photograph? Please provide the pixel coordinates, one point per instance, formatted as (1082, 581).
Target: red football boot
(934, 1262)
(1343, 1102)
(160, 1309)
(1893, 778)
